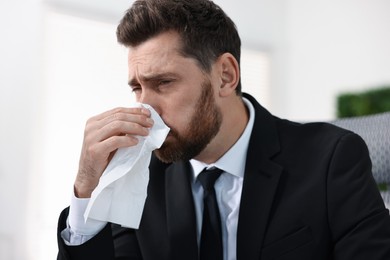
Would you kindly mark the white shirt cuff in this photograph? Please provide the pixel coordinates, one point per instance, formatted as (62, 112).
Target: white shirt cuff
(78, 230)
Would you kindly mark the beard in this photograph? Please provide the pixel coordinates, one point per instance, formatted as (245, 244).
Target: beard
(203, 127)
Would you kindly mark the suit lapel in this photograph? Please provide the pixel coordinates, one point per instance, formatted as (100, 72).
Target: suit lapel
(181, 221)
(260, 183)
(256, 201)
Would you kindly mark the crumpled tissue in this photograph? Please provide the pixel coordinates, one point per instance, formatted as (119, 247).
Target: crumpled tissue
(122, 190)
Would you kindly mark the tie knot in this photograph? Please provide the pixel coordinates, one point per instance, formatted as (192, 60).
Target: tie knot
(208, 177)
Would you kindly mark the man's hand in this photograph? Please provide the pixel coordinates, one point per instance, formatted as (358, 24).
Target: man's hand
(103, 135)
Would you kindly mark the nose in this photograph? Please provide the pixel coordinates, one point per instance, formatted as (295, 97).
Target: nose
(151, 98)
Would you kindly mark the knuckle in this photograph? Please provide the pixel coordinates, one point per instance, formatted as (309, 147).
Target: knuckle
(87, 130)
(117, 110)
(90, 126)
(92, 151)
(91, 120)
(119, 116)
(116, 125)
(88, 139)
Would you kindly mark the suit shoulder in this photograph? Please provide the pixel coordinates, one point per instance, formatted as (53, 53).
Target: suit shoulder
(314, 136)
(310, 129)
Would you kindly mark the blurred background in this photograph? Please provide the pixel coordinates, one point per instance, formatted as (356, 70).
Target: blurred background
(60, 64)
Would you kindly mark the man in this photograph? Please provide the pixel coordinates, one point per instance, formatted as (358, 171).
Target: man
(287, 190)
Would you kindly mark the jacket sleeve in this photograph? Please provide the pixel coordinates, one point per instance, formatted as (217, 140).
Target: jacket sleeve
(359, 221)
(111, 243)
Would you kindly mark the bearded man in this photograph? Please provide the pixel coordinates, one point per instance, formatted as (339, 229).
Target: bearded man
(280, 190)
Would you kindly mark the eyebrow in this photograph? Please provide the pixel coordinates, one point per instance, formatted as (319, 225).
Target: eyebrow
(151, 78)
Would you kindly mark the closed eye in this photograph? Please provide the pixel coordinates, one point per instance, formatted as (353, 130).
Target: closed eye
(165, 82)
(136, 88)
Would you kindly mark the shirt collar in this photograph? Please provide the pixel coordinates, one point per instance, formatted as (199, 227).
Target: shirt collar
(233, 161)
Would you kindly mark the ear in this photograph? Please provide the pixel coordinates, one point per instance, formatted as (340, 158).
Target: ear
(228, 73)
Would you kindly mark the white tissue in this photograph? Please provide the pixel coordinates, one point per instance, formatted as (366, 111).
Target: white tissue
(122, 190)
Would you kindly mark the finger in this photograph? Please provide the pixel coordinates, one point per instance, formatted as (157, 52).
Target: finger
(128, 110)
(138, 115)
(121, 117)
(119, 128)
(106, 147)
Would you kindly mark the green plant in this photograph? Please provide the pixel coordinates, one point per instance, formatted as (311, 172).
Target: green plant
(364, 103)
(383, 186)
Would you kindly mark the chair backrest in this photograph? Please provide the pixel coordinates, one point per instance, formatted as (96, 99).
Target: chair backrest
(375, 130)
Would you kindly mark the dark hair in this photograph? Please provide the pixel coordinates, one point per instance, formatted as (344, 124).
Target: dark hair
(205, 30)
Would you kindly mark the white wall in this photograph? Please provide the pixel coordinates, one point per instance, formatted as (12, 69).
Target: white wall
(334, 46)
(19, 93)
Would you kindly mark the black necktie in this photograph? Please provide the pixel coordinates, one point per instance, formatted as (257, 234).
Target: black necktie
(211, 237)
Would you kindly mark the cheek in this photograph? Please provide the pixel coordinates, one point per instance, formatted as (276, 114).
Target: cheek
(178, 117)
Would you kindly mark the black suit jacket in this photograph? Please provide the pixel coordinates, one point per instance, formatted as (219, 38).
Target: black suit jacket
(308, 193)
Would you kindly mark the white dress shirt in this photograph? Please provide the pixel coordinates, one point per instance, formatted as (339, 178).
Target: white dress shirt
(228, 189)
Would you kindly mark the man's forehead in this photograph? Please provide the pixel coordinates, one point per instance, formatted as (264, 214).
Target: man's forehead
(154, 54)
(153, 61)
